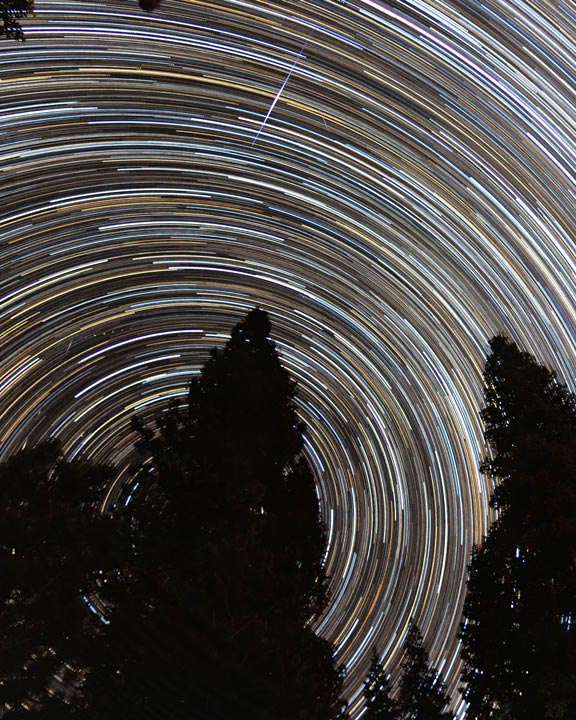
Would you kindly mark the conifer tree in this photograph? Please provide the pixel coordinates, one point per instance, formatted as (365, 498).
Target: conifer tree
(235, 532)
(422, 692)
(58, 555)
(378, 701)
(518, 635)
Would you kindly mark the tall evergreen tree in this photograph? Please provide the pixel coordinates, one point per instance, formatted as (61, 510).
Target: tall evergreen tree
(518, 635)
(226, 519)
(422, 692)
(378, 701)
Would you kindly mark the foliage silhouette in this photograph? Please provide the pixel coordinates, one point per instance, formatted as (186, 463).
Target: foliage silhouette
(228, 550)
(377, 693)
(11, 11)
(422, 693)
(193, 597)
(58, 554)
(518, 635)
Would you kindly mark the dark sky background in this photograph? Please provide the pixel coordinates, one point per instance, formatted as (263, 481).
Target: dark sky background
(392, 181)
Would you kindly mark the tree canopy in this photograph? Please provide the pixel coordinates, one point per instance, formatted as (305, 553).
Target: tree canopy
(229, 539)
(11, 11)
(518, 637)
(194, 596)
(377, 693)
(422, 694)
(58, 556)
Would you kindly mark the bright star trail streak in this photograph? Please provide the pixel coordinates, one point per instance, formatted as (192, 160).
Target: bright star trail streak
(279, 93)
(412, 194)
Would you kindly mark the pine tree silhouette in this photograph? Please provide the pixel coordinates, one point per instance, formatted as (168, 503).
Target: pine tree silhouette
(422, 692)
(518, 636)
(229, 541)
(378, 701)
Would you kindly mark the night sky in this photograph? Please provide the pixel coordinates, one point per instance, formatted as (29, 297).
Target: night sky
(391, 181)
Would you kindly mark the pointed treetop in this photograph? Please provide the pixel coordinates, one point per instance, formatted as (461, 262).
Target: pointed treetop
(377, 692)
(254, 329)
(506, 361)
(422, 692)
(517, 655)
(524, 399)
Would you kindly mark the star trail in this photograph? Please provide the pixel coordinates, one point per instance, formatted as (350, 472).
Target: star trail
(391, 181)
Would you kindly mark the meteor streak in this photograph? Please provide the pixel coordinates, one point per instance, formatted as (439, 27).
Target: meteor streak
(276, 98)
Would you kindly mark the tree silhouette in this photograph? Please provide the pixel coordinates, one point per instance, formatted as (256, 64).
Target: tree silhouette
(518, 637)
(378, 701)
(422, 692)
(229, 540)
(198, 599)
(11, 11)
(58, 555)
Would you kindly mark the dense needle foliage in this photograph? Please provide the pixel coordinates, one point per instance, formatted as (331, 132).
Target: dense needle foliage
(422, 694)
(377, 693)
(58, 556)
(194, 597)
(11, 11)
(229, 542)
(519, 637)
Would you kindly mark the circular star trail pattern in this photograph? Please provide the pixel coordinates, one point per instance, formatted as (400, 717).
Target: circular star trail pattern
(391, 181)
